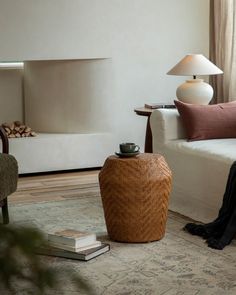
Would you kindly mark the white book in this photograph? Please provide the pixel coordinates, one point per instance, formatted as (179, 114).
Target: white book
(72, 238)
(75, 249)
(84, 255)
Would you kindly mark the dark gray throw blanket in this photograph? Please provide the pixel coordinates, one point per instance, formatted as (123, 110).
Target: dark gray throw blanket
(222, 230)
(8, 175)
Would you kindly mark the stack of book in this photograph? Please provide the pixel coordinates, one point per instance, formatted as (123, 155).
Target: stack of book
(74, 244)
(159, 105)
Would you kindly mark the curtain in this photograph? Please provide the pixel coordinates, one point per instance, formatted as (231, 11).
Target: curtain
(222, 49)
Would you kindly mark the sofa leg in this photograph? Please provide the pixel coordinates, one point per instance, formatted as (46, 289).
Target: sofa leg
(5, 214)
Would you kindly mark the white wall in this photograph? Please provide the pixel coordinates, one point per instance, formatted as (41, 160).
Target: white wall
(11, 101)
(144, 39)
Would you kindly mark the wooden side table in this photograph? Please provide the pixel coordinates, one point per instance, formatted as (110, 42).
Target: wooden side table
(148, 137)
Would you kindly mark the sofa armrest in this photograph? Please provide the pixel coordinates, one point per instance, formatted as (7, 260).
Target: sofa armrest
(166, 125)
(5, 142)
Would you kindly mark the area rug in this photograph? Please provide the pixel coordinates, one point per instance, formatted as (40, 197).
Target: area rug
(179, 264)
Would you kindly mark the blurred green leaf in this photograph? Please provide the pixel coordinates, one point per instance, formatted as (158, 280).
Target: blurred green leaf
(20, 266)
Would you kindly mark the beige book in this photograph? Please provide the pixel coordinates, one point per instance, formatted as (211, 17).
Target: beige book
(72, 238)
(75, 249)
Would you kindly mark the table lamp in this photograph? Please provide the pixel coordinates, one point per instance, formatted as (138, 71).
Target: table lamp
(194, 91)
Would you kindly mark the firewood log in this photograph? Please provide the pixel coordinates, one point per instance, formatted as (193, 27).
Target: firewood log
(27, 129)
(12, 126)
(18, 129)
(21, 128)
(8, 130)
(17, 123)
(32, 133)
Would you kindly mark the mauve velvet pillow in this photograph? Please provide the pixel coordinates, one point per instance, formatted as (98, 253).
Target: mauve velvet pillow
(208, 121)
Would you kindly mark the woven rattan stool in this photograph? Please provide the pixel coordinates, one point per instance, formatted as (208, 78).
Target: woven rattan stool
(135, 193)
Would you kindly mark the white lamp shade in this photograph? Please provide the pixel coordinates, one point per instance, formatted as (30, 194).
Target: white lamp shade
(194, 65)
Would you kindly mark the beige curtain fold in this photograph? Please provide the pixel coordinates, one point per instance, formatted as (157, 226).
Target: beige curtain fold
(222, 49)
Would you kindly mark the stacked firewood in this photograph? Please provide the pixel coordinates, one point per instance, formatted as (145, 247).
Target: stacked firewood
(17, 129)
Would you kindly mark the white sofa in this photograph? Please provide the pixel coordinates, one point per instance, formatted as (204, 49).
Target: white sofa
(200, 168)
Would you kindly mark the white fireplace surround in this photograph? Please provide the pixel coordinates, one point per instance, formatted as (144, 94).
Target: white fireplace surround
(54, 152)
(68, 96)
(67, 103)
(137, 37)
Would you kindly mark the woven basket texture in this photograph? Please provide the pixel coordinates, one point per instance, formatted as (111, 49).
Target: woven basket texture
(135, 193)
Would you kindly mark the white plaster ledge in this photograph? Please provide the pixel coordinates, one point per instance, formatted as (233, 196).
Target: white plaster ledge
(54, 152)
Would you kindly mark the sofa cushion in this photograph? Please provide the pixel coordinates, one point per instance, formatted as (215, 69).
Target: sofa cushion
(208, 121)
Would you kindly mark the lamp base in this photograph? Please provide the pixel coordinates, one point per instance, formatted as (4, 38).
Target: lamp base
(195, 91)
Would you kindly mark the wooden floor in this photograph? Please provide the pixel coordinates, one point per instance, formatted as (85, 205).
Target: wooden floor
(55, 187)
